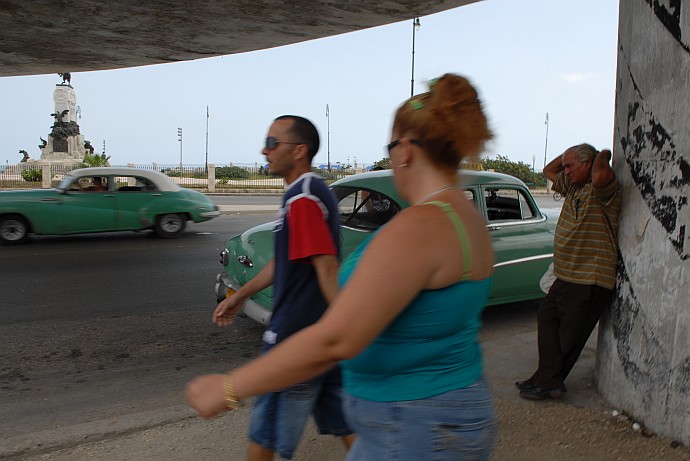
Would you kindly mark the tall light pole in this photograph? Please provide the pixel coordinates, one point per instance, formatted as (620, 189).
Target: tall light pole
(415, 27)
(179, 138)
(546, 142)
(206, 139)
(328, 137)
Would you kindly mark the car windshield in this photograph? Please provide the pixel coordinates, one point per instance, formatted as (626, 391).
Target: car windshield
(64, 184)
(364, 209)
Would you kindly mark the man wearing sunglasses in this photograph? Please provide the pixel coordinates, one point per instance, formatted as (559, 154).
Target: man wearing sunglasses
(304, 278)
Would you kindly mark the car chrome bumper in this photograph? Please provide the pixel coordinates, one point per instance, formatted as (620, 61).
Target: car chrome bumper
(210, 214)
(250, 308)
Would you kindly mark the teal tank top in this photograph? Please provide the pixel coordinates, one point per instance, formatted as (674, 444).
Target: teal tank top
(432, 347)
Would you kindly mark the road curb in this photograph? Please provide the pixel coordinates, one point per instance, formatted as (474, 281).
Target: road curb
(239, 209)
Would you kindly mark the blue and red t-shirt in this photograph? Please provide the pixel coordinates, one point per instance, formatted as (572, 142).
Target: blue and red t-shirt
(307, 225)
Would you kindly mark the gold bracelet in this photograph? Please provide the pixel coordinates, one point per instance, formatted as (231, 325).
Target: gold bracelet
(232, 402)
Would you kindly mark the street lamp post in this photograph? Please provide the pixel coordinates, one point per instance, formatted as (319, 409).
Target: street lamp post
(546, 142)
(415, 27)
(206, 139)
(179, 138)
(328, 137)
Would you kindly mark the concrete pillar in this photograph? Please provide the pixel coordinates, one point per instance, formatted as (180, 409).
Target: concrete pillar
(211, 178)
(643, 361)
(46, 175)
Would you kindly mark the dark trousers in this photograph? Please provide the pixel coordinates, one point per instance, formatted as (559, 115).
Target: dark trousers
(565, 320)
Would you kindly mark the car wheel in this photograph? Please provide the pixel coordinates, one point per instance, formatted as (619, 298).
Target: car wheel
(13, 229)
(170, 225)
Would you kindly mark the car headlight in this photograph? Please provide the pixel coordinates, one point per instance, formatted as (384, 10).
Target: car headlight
(245, 261)
(224, 257)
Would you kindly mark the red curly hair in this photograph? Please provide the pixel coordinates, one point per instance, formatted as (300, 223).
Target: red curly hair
(448, 121)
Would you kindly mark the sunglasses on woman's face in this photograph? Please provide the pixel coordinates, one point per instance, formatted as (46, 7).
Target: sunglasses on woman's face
(391, 145)
(272, 142)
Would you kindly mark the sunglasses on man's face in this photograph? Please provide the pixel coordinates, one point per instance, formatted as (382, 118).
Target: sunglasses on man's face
(272, 142)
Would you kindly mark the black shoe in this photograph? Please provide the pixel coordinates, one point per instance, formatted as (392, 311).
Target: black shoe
(525, 385)
(542, 393)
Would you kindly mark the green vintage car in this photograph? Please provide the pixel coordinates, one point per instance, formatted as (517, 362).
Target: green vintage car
(103, 200)
(522, 234)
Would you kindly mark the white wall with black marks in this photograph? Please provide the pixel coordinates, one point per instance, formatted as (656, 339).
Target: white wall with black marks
(643, 361)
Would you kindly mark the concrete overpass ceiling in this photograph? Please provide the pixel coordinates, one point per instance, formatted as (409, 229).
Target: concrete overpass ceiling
(48, 36)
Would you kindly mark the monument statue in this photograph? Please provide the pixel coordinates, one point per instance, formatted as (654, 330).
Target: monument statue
(66, 99)
(59, 117)
(88, 146)
(65, 143)
(66, 77)
(25, 154)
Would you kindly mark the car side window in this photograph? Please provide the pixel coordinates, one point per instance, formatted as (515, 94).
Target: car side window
(137, 184)
(364, 209)
(89, 184)
(145, 184)
(525, 209)
(76, 185)
(507, 205)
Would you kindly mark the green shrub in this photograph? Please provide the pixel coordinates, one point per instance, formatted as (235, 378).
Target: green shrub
(171, 172)
(384, 163)
(32, 175)
(520, 170)
(231, 172)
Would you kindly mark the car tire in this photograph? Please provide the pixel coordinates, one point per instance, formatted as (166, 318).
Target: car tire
(14, 229)
(170, 225)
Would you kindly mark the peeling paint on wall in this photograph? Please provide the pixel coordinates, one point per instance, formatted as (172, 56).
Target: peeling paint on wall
(661, 174)
(669, 15)
(642, 353)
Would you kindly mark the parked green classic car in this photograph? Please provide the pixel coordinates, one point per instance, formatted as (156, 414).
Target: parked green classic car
(522, 234)
(103, 200)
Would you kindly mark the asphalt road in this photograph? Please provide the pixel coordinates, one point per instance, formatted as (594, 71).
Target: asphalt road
(94, 327)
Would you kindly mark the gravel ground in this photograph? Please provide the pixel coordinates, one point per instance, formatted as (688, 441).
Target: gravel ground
(581, 426)
(546, 431)
(529, 431)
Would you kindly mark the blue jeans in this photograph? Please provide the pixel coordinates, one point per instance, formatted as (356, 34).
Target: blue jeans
(278, 418)
(456, 425)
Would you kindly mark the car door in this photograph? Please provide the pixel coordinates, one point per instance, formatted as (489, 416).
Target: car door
(521, 240)
(82, 209)
(135, 195)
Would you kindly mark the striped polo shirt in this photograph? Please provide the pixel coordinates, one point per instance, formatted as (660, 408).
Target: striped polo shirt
(585, 248)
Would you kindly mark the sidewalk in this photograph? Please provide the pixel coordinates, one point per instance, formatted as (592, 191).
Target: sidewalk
(174, 433)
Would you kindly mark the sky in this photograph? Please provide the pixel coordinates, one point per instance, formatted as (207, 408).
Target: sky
(526, 58)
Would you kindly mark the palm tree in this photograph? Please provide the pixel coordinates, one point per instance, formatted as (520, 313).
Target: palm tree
(91, 160)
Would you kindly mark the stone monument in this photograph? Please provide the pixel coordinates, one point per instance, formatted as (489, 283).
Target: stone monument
(64, 144)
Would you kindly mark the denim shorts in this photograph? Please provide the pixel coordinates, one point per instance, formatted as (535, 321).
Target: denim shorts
(456, 425)
(278, 419)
